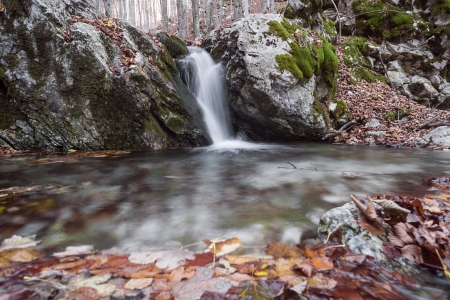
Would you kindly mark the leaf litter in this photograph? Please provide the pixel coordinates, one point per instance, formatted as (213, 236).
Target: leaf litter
(328, 270)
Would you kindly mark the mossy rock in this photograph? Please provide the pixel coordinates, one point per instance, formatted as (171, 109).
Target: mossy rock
(305, 59)
(174, 45)
(383, 21)
(440, 7)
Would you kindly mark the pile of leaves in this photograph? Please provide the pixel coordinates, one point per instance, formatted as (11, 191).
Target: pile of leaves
(176, 273)
(374, 100)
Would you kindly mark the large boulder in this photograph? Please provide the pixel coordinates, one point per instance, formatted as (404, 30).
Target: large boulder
(280, 78)
(84, 83)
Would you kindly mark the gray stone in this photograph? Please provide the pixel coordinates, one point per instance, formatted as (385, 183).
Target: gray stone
(268, 103)
(60, 95)
(372, 123)
(440, 136)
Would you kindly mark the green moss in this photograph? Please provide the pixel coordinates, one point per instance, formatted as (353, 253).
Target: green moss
(341, 108)
(328, 26)
(390, 116)
(173, 121)
(216, 52)
(287, 62)
(166, 65)
(277, 29)
(330, 64)
(289, 13)
(441, 7)
(378, 19)
(364, 74)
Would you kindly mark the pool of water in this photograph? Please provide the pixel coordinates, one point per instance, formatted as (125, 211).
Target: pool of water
(259, 194)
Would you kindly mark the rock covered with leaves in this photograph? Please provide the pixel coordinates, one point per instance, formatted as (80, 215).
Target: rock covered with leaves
(71, 80)
(280, 77)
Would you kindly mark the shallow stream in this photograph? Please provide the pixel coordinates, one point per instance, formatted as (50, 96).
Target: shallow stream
(152, 197)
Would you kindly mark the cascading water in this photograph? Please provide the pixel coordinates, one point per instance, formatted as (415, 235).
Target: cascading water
(204, 78)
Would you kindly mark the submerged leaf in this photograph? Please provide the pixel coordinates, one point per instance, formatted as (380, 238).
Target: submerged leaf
(165, 259)
(261, 289)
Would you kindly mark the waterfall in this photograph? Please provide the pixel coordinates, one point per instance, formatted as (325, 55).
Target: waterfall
(204, 78)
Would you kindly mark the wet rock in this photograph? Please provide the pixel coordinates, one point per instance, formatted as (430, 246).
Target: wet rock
(345, 218)
(439, 136)
(268, 102)
(57, 93)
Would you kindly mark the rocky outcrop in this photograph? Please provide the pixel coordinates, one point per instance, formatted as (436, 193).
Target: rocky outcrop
(280, 78)
(410, 43)
(70, 83)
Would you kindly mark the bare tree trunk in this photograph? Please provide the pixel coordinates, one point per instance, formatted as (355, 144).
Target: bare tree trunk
(180, 12)
(131, 12)
(237, 10)
(108, 8)
(245, 7)
(195, 19)
(165, 17)
(264, 5)
(209, 16)
(220, 12)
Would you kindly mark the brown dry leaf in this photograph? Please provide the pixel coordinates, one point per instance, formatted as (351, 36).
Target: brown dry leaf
(24, 255)
(370, 211)
(162, 285)
(83, 293)
(430, 202)
(279, 249)
(322, 263)
(284, 267)
(237, 278)
(401, 232)
(181, 273)
(321, 281)
(370, 227)
(201, 282)
(305, 267)
(358, 258)
(138, 283)
(242, 259)
(433, 209)
(395, 241)
(412, 253)
(164, 296)
(222, 247)
(201, 259)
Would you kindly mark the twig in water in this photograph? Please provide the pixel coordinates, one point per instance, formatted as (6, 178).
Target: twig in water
(292, 165)
(313, 167)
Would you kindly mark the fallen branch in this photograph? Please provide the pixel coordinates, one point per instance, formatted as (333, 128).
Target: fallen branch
(434, 125)
(347, 126)
(424, 125)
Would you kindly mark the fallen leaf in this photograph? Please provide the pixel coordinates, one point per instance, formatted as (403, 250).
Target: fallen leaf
(298, 285)
(17, 241)
(321, 281)
(222, 247)
(370, 227)
(412, 253)
(24, 255)
(401, 231)
(201, 259)
(138, 283)
(201, 282)
(75, 250)
(83, 293)
(305, 268)
(165, 259)
(279, 249)
(261, 289)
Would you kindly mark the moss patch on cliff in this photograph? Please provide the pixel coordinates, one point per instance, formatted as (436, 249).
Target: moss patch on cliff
(441, 7)
(277, 29)
(381, 20)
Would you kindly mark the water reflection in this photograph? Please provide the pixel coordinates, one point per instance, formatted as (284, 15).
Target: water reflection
(260, 195)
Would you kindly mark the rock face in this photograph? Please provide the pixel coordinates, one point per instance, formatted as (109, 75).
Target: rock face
(270, 99)
(410, 43)
(62, 84)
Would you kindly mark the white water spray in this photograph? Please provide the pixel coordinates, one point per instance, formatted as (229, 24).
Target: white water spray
(204, 78)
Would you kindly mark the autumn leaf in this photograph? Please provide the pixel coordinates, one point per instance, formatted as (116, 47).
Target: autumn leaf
(305, 268)
(83, 293)
(412, 253)
(75, 250)
(138, 283)
(17, 241)
(24, 255)
(261, 289)
(279, 249)
(201, 282)
(370, 227)
(401, 231)
(222, 247)
(444, 266)
(322, 281)
(165, 259)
